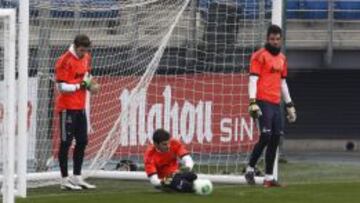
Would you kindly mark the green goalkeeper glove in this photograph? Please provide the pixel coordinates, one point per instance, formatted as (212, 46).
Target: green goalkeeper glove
(86, 82)
(90, 84)
(254, 109)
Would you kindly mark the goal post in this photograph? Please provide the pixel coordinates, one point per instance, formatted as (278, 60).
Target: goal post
(22, 102)
(7, 61)
(277, 19)
(277, 12)
(171, 64)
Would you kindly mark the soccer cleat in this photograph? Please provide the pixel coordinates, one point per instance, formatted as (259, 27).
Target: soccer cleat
(250, 177)
(65, 184)
(79, 181)
(271, 183)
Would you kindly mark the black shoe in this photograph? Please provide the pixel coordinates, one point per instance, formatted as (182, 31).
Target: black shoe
(250, 177)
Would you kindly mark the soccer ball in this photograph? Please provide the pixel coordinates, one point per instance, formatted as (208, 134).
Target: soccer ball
(203, 187)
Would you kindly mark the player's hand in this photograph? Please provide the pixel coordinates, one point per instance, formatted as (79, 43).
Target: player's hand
(86, 82)
(94, 87)
(254, 109)
(167, 181)
(90, 84)
(291, 112)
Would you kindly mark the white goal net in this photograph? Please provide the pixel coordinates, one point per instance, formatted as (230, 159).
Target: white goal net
(180, 65)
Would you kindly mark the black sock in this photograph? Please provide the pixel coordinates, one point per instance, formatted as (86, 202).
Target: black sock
(258, 149)
(78, 157)
(271, 153)
(63, 158)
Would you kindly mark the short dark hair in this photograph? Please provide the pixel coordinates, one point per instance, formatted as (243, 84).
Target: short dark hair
(273, 29)
(82, 40)
(160, 135)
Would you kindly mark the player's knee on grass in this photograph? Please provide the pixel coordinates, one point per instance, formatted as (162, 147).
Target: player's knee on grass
(181, 185)
(183, 182)
(189, 176)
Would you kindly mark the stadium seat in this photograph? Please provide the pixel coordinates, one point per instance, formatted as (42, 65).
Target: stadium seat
(65, 13)
(293, 9)
(347, 10)
(101, 9)
(314, 9)
(204, 5)
(95, 9)
(8, 4)
(249, 8)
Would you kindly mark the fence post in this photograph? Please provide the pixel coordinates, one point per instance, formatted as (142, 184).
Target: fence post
(330, 32)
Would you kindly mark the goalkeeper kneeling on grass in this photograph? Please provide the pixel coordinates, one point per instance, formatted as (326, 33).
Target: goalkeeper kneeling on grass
(162, 167)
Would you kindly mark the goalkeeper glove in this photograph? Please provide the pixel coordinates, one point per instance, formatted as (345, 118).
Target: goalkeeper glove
(291, 112)
(86, 82)
(254, 109)
(166, 182)
(90, 84)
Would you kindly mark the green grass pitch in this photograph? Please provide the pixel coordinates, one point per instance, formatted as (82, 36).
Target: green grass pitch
(306, 183)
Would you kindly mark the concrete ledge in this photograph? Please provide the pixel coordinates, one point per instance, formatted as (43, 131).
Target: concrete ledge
(321, 145)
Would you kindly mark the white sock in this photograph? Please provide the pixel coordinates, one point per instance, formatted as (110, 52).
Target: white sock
(64, 179)
(269, 177)
(250, 169)
(77, 177)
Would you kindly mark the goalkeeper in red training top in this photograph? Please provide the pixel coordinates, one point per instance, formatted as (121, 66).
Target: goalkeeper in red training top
(162, 167)
(267, 86)
(73, 80)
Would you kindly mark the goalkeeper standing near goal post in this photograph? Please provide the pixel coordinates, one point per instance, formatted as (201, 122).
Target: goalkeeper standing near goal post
(73, 80)
(267, 85)
(162, 167)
